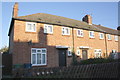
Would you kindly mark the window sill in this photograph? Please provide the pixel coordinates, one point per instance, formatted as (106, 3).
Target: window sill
(79, 36)
(109, 40)
(91, 37)
(30, 32)
(48, 33)
(65, 35)
(101, 39)
(39, 65)
(116, 41)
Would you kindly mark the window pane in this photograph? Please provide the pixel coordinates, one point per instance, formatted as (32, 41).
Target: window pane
(90, 33)
(45, 29)
(43, 51)
(28, 26)
(50, 28)
(78, 32)
(38, 51)
(43, 58)
(63, 32)
(38, 58)
(33, 59)
(33, 27)
(81, 33)
(33, 50)
(67, 31)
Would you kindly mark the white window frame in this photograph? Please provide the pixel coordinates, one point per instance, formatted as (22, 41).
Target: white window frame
(97, 53)
(116, 38)
(41, 56)
(109, 37)
(64, 30)
(114, 51)
(101, 36)
(32, 23)
(93, 35)
(46, 30)
(81, 32)
(78, 51)
(69, 52)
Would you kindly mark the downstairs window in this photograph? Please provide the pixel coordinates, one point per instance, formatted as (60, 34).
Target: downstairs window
(38, 56)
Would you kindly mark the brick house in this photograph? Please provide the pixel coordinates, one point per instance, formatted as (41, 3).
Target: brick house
(48, 40)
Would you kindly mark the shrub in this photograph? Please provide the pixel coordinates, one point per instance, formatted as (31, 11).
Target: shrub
(97, 61)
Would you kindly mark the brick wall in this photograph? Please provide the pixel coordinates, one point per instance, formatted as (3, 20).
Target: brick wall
(22, 50)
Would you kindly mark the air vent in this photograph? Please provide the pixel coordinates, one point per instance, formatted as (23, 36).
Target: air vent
(58, 22)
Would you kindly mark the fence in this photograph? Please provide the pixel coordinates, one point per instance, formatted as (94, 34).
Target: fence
(6, 64)
(106, 70)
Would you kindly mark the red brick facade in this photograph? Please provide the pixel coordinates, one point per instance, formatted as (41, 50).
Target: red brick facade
(21, 49)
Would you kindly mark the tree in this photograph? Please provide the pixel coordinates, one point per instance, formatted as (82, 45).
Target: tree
(4, 49)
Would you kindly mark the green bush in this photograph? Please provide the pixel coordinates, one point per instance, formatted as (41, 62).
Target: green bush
(97, 61)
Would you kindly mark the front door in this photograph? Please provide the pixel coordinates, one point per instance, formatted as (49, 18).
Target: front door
(84, 54)
(62, 57)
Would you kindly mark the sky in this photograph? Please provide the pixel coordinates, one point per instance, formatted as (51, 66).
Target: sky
(104, 13)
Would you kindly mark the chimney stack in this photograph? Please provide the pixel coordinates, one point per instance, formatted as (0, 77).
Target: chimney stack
(15, 10)
(87, 19)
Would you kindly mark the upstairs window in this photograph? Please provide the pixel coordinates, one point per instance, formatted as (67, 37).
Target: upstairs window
(30, 27)
(48, 28)
(101, 35)
(80, 33)
(109, 37)
(91, 34)
(65, 31)
(116, 38)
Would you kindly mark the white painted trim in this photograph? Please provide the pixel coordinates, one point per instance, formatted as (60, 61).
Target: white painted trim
(116, 38)
(47, 29)
(109, 37)
(41, 56)
(59, 46)
(77, 52)
(68, 53)
(65, 32)
(80, 32)
(31, 24)
(92, 33)
(84, 47)
(100, 35)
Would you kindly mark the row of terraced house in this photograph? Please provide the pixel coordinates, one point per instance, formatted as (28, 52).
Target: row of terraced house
(47, 40)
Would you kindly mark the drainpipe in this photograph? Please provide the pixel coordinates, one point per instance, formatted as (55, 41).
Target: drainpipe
(73, 37)
(106, 45)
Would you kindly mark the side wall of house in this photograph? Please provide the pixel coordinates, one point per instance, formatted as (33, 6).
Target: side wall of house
(22, 50)
(11, 42)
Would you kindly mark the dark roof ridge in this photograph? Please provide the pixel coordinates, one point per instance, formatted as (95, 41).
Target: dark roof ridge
(52, 15)
(104, 27)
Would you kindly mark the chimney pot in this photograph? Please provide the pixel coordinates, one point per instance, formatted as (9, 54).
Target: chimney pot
(118, 28)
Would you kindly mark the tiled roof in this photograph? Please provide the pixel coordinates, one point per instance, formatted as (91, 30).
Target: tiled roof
(58, 20)
(63, 21)
(108, 30)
